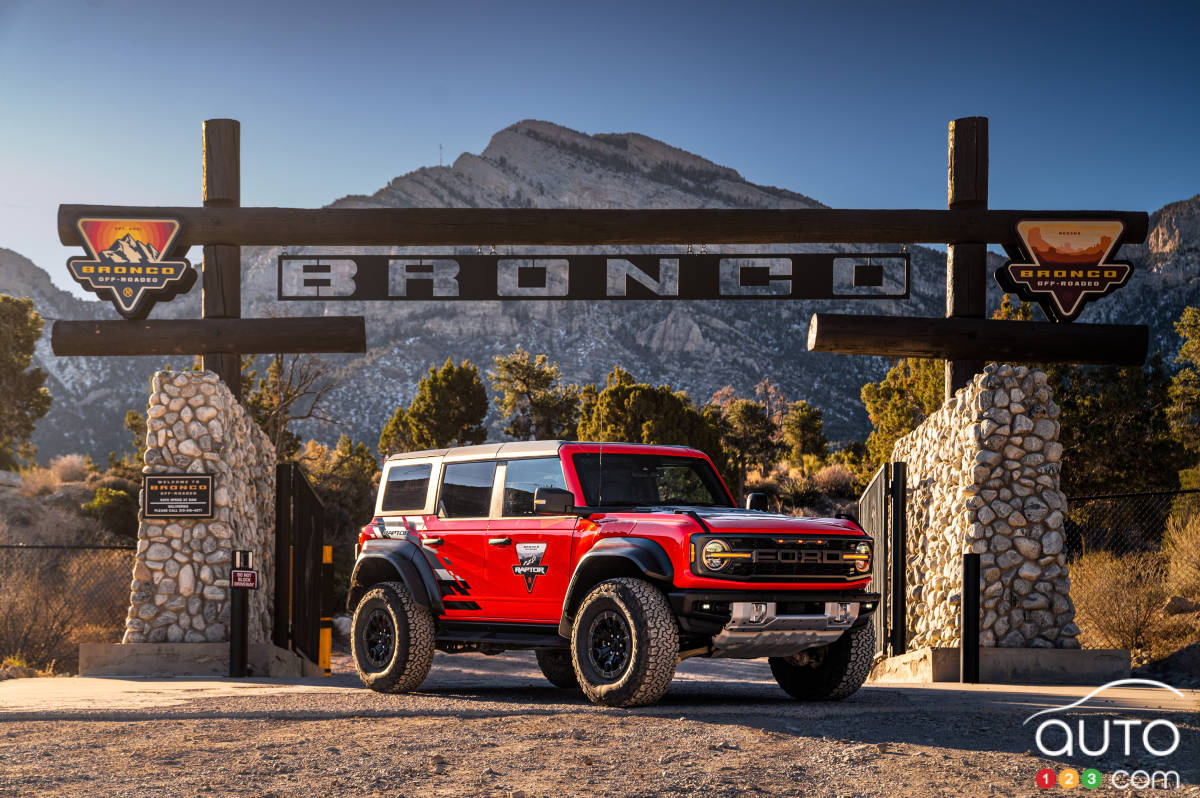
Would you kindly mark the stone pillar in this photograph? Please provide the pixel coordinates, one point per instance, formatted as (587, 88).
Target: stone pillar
(180, 590)
(983, 477)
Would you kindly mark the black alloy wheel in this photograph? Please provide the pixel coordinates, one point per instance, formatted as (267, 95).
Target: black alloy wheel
(380, 638)
(391, 639)
(609, 643)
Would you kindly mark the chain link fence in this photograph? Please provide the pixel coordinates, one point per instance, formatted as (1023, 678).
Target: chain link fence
(1134, 563)
(52, 598)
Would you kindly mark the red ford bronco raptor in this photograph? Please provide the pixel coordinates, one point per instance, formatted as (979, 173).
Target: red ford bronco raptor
(613, 562)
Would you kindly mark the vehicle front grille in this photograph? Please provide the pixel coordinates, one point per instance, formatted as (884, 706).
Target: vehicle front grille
(782, 558)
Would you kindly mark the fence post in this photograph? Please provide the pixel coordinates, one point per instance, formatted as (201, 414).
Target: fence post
(898, 553)
(968, 643)
(281, 635)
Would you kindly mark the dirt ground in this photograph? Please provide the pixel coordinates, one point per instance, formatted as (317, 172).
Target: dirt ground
(493, 726)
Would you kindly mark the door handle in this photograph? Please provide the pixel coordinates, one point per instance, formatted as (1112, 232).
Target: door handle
(435, 542)
(499, 541)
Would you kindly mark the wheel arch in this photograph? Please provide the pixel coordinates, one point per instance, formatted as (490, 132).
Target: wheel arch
(613, 558)
(395, 561)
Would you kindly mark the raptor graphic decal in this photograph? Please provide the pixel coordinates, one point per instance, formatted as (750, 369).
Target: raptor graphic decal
(530, 563)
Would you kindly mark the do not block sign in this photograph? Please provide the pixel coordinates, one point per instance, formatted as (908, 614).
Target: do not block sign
(247, 580)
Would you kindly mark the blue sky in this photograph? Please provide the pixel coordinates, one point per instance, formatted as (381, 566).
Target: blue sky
(1092, 105)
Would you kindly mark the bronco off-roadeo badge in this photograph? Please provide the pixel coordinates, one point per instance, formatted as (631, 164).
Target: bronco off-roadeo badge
(128, 266)
(1064, 265)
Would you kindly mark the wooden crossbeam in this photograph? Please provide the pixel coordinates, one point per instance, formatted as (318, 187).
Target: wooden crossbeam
(327, 334)
(979, 339)
(366, 227)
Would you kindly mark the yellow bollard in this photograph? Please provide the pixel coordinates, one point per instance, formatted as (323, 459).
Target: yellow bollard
(326, 642)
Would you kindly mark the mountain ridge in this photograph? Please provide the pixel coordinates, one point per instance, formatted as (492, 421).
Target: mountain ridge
(696, 346)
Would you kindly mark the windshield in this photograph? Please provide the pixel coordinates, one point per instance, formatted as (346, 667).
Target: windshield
(647, 480)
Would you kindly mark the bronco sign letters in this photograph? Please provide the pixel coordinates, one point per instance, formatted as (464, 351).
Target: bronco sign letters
(809, 275)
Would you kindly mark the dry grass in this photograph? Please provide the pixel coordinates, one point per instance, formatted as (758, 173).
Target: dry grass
(1181, 547)
(835, 480)
(1119, 604)
(51, 601)
(39, 481)
(70, 468)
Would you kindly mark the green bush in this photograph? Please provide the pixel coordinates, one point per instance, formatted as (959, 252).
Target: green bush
(116, 510)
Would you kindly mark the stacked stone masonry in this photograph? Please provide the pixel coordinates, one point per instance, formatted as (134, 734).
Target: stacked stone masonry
(180, 590)
(983, 477)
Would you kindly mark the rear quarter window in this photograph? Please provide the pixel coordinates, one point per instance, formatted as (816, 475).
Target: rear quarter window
(467, 489)
(406, 488)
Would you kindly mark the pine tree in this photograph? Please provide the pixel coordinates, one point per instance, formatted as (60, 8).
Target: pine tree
(448, 410)
(803, 430)
(633, 412)
(749, 438)
(26, 399)
(532, 397)
(909, 393)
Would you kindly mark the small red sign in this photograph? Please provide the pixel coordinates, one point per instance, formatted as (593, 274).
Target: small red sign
(247, 580)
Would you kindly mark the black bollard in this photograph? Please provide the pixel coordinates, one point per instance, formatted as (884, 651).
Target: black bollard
(239, 613)
(968, 645)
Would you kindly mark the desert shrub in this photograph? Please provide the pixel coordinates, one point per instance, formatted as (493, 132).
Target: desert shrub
(1181, 547)
(116, 510)
(1119, 599)
(70, 468)
(39, 481)
(835, 480)
(798, 489)
(51, 601)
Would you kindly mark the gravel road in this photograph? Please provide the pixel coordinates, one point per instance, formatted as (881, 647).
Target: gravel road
(493, 726)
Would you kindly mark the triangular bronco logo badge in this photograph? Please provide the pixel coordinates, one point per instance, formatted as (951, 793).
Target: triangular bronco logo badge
(127, 264)
(1065, 264)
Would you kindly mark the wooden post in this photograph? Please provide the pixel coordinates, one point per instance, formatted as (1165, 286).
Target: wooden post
(222, 286)
(966, 263)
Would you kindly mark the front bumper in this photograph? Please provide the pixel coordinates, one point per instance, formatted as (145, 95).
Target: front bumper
(749, 625)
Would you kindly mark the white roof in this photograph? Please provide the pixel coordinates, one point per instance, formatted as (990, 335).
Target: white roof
(508, 449)
(487, 451)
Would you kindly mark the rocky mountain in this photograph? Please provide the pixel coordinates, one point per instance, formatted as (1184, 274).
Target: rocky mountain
(697, 346)
(129, 250)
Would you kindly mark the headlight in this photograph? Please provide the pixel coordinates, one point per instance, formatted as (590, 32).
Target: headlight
(862, 562)
(713, 555)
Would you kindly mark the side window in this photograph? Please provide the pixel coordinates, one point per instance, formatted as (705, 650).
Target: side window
(524, 477)
(406, 488)
(466, 489)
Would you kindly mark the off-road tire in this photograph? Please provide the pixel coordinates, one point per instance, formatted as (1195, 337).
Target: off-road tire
(556, 666)
(651, 643)
(404, 664)
(837, 675)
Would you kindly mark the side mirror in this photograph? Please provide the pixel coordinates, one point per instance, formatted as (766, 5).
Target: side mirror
(553, 501)
(757, 501)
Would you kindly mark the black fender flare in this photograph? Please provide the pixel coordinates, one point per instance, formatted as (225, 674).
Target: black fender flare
(609, 559)
(395, 560)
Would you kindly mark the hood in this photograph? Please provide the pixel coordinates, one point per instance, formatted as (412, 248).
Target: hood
(733, 520)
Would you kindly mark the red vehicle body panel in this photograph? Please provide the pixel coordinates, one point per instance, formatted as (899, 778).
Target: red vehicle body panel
(478, 555)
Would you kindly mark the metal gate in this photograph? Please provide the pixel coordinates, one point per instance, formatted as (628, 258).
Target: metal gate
(299, 549)
(881, 511)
